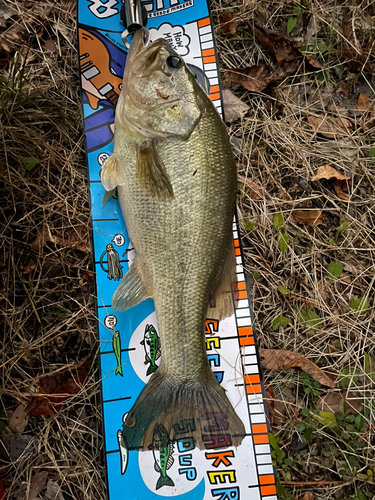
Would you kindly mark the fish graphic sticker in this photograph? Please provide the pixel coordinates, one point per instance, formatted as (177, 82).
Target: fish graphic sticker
(151, 345)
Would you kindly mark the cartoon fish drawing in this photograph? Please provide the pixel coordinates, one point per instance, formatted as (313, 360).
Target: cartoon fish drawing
(162, 446)
(116, 343)
(151, 339)
(176, 177)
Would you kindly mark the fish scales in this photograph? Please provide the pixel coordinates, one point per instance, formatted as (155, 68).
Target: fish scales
(176, 179)
(182, 244)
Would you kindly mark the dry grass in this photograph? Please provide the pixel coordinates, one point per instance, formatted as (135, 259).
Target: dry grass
(285, 153)
(48, 315)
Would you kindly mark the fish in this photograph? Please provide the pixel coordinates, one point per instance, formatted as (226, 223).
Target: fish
(151, 338)
(175, 176)
(116, 344)
(162, 443)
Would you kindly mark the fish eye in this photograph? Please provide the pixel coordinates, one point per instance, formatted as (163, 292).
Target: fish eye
(174, 62)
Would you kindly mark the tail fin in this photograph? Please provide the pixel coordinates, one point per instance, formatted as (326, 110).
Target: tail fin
(197, 411)
(118, 371)
(164, 481)
(151, 369)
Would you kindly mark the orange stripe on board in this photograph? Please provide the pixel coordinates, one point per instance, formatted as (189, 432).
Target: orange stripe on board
(252, 379)
(260, 439)
(214, 88)
(247, 341)
(236, 243)
(269, 479)
(210, 59)
(214, 97)
(239, 285)
(237, 251)
(267, 490)
(253, 389)
(203, 22)
(240, 295)
(245, 331)
(208, 52)
(259, 428)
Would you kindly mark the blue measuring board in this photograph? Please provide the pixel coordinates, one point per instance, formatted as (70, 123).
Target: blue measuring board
(126, 362)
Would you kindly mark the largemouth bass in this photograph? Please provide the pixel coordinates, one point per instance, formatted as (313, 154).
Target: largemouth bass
(176, 178)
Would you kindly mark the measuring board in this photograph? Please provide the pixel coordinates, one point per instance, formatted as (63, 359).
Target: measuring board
(129, 342)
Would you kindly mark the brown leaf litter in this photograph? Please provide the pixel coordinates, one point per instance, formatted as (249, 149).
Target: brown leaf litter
(351, 49)
(234, 108)
(77, 239)
(367, 120)
(311, 217)
(330, 127)
(339, 402)
(340, 182)
(280, 359)
(19, 419)
(55, 388)
(288, 60)
(228, 23)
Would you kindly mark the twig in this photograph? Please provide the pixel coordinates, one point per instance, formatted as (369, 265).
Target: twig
(312, 483)
(368, 432)
(316, 304)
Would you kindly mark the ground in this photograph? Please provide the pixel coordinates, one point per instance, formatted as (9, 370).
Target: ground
(315, 112)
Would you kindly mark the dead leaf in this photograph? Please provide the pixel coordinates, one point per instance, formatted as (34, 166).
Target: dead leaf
(340, 183)
(270, 400)
(77, 238)
(37, 484)
(351, 49)
(19, 420)
(256, 78)
(337, 186)
(228, 24)
(56, 388)
(253, 78)
(30, 266)
(329, 126)
(279, 359)
(330, 173)
(308, 496)
(43, 237)
(54, 491)
(311, 217)
(12, 38)
(234, 108)
(314, 63)
(12, 446)
(255, 191)
(363, 103)
(50, 45)
(282, 48)
(335, 402)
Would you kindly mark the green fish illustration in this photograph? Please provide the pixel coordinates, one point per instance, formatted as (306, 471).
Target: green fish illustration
(116, 343)
(151, 338)
(162, 444)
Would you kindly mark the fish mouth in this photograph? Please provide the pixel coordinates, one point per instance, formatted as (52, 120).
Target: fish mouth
(145, 56)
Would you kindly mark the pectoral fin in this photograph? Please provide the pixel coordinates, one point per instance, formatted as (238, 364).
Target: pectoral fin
(110, 173)
(152, 174)
(222, 300)
(131, 290)
(107, 196)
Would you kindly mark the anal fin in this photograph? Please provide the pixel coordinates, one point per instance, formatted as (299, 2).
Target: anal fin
(130, 291)
(151, 172)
